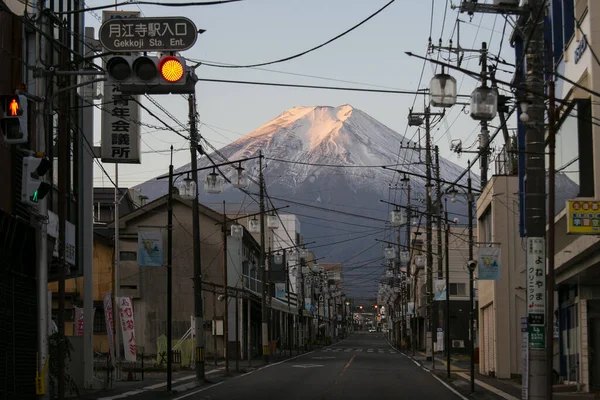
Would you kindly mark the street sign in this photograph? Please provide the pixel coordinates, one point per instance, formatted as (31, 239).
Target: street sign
(536, 291)
(148, 34)
(583, 217)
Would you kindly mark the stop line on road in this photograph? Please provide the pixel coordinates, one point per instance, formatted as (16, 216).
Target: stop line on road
(358, 350)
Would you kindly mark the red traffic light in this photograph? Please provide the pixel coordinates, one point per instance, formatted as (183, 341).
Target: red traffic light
(12, 107)
(171, 69)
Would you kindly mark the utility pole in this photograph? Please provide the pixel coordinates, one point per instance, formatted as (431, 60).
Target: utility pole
(484, 137)
(170, 277)
(409, 249)
(551, 232)
(447, 262)
(471, 281)
(438, 203)
(265, 323)
(198, 306)
(63, 179)
(41, 231)
(225, 295)
(535, 204)
(429, 235)
(301, 304)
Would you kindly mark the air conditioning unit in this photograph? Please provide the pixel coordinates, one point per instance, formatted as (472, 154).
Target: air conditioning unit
(458, 344)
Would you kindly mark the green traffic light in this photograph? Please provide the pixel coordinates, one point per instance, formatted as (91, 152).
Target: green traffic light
(34, 198)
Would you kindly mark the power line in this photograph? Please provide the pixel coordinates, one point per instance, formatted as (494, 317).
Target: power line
(150, 3)
(309, 50)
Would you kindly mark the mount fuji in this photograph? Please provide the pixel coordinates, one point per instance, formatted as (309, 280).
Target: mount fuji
(325, 163)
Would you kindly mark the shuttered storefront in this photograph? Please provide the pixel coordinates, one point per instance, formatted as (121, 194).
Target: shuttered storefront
(489, 341)
(18, 311)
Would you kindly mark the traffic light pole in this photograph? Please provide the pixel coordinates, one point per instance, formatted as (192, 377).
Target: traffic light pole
(41, 231)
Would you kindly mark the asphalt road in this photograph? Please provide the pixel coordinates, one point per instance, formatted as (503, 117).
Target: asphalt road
(364, 366)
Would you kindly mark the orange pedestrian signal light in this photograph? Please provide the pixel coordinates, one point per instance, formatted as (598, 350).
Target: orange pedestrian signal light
(375, 307)
(171, 69)
(12, 107)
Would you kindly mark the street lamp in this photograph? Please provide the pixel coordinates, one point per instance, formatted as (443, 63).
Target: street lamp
(397, 217)
(213, 183)
(272, 221)
(278, 258)
(188, 189)
(389, 253)
(242, 180)
(404, 257)
(442, 90)
(254, 225)
(484, 104)
(237, 231)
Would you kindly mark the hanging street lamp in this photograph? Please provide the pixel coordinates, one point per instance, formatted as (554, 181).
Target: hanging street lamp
(397, 218)
(188, 189)
(237, 231)
(484, 104)
(442, 90)
(213, 183)
(242, 180)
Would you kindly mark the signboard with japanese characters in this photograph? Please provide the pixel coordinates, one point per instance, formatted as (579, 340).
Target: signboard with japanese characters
(148, 34)
(120, 142)
(583, 217)
(79, 320)
(127, 328)
(108, 319)
(536, 291)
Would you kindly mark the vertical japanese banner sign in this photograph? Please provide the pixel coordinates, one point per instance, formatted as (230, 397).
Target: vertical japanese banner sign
(127, 327)
(108, 319)
(489, 263)
(120, 140)
(150, 249)
(79, 320)
(536, 291)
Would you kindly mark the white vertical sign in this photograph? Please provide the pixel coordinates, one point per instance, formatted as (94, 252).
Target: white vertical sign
(127, 328)
(108, 319)
(524, 359)
(120, 142)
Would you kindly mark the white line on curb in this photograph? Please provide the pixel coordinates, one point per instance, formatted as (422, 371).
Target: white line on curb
(450, 388)
(489, 387)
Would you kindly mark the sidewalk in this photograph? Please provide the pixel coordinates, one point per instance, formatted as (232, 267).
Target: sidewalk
(155, 383)
(485, 387)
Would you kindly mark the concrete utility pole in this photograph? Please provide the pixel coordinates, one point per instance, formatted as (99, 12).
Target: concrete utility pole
(429, 221)
(447, 262)
(409, 249)
(225, 295)
(535, 203)
(41, 231)
(484, 137)
(198, 306)
(263, 269)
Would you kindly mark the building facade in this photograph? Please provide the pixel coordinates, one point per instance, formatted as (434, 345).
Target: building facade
(501, 302)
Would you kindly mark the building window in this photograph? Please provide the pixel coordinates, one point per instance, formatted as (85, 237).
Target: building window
(485, 225)
(128, 255)
(458, 289)
(574, 153)
(99, 322)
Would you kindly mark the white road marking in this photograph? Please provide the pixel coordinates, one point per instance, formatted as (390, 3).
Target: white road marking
(123, 395)
(198, 391)
(369, 350)
(348, 349)
(359, 350)
(307, 366)
(450, 388)
(488, 387)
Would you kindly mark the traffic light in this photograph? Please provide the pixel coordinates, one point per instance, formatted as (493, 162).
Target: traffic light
(151, 75)
(33, 188)
(13, 119)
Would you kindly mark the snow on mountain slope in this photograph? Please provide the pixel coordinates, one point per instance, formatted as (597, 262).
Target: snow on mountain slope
(301, 142)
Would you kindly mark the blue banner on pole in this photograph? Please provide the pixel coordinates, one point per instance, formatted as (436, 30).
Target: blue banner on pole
(150, 249)
(489, 263)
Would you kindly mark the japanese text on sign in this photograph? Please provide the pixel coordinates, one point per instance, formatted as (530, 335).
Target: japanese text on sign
(536, 276)
(148, 34)
(108, 319)
(127, 328)
(583, 217)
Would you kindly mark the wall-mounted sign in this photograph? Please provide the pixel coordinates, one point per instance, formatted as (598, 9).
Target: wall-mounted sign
(580, 49)
(583, 217)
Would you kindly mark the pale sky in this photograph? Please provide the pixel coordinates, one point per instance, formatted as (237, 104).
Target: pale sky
(371, 56)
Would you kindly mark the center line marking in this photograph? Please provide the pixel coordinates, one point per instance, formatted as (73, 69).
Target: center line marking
(347, 365)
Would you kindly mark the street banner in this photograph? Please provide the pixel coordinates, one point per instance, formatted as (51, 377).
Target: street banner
(439, 290)
(411, 308)
(489, 263)
(127, 328)
(79, 320)
(108, 319)
(150, 249)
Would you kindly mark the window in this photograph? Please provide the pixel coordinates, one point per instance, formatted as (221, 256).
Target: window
(458, 289)
(128, 255)
(99, 322)
(574, 153)
(485, 225)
